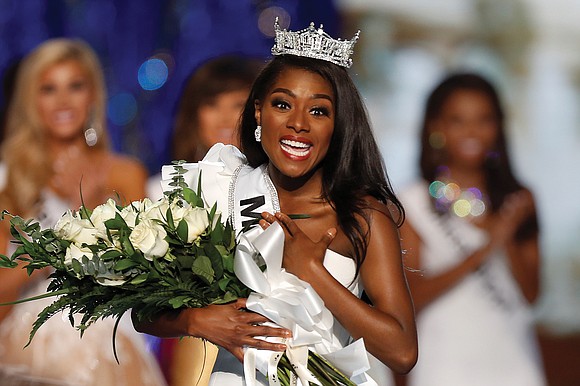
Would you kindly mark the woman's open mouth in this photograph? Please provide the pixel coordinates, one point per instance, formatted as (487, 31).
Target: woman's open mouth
(295, 149)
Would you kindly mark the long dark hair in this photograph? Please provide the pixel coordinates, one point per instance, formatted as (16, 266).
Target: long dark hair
(499, 176)
(354, 166)
(214, 77)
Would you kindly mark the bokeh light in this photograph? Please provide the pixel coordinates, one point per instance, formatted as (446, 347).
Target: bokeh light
(267, 17)
(436, 189)
(462, 208)
(122, 108)
(152, 74)
(461, 202)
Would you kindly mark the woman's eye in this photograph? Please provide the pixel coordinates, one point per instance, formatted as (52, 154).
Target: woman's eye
(76, 86)
(280, 104)
(322, 111)
(47, 89)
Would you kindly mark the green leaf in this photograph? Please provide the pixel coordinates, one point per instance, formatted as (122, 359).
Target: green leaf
(116, 223)
(169, 217)
(6, 262)
(202, 267)
(182, 230)
(223, 283)
(139, 279)
(76, 266)
(216, 259)
(111, 254)
(124, 264)
(179, 301)
(217, 234)
(192, 198)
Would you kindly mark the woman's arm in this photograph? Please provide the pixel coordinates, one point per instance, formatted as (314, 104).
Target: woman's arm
(388, 327)
(426, 288)
(228, 326)
(127, 177)
(524, 255)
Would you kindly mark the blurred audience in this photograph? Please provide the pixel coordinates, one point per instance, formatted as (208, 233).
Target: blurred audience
(208, 112)
(209, 109)
(56, 145)
(471, 242)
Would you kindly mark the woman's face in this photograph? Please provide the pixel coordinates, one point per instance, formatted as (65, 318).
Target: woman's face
(469, 125)
(64, 98)
(218, 118)
(297, 119)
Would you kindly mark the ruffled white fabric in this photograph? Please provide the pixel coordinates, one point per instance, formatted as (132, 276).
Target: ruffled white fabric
(216, 168)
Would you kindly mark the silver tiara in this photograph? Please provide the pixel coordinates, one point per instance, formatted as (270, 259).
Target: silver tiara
(313, 43)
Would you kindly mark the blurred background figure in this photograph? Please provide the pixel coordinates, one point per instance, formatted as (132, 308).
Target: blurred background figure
(56, 145)
(208, 112)
(471, 242)
(209, 109)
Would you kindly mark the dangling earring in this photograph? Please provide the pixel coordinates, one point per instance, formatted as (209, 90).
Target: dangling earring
(91, 135)
(258, 133)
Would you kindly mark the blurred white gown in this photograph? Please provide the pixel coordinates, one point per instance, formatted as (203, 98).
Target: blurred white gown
(58, 355)
(218, 168)
(480, 333)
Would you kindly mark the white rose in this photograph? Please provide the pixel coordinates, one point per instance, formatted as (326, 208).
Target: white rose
(149, 238)
(131, 212)
(73, 252)
(75, 229)
(129, 215)
(196, 219)
(102, 213)
(155, 210)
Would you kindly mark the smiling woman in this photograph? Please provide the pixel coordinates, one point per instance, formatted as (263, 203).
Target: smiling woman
(472, 239)
(298, 121)
(308, 148)
(56, 145)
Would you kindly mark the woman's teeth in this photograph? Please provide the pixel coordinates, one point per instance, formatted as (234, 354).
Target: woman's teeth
(295, 148)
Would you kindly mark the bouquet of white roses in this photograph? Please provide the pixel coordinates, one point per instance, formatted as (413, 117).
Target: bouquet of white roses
(146, 256)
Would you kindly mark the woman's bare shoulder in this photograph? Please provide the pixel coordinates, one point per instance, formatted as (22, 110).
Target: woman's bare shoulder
(127, 175)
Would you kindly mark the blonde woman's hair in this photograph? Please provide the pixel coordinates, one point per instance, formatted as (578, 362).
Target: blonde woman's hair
(24, 151)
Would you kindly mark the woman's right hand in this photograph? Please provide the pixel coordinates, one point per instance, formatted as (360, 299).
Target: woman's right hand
(516, 208)
(232, 327)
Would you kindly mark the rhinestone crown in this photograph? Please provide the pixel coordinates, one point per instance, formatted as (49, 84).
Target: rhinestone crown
(313, 43)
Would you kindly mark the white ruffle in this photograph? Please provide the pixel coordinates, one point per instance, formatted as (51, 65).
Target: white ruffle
(216, 168)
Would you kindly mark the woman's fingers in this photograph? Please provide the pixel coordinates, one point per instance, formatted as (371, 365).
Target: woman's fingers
(288, 223)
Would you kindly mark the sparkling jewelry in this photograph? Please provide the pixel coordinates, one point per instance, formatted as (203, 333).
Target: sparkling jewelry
(258, 133)
(313, 43)
(91, 136)
(90, 132)
(450, 198)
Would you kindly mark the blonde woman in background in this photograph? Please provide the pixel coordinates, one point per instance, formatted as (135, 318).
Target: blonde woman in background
(56, 145)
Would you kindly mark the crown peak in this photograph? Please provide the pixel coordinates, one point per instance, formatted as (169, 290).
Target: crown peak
(313, 43)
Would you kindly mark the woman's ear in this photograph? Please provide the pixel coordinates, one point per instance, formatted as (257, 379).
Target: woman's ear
(257, 111)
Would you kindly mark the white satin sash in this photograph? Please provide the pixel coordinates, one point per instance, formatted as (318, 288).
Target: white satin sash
(291, 303)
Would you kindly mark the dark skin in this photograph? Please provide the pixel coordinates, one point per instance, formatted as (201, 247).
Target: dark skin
(466, 121)
(297, 119)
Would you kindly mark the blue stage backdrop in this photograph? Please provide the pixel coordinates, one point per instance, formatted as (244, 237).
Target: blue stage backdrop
(148, 48)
